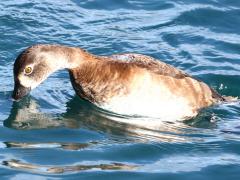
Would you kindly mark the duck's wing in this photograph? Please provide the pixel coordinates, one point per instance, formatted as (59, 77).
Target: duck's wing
(160, 68)
(151, 64)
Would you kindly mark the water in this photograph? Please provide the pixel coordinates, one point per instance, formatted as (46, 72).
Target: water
(53, 134)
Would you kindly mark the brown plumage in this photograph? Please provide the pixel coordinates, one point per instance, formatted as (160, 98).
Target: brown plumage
(117, 80)
(102, 77)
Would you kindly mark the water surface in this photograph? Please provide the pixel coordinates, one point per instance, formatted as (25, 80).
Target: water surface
(53, 134)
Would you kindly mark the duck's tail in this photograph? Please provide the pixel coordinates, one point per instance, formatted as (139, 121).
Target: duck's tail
(220, 98)
(230, 99)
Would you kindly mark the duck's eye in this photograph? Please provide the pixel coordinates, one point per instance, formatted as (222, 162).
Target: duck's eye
(28, 70)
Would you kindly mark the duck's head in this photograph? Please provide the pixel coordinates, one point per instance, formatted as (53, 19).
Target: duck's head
(34, 65)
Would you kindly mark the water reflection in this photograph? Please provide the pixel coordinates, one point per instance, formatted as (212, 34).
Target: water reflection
(66, 146)
(26, 115)
(16, 164)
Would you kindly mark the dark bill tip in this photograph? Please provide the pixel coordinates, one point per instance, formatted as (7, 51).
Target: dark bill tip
(20, 91)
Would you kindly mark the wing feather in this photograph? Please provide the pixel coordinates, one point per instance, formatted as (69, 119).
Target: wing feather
(151, 64)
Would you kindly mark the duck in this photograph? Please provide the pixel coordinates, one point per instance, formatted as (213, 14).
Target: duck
(127, 84)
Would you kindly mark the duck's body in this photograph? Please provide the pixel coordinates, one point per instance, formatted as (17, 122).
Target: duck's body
(129, 84)
(134, 84)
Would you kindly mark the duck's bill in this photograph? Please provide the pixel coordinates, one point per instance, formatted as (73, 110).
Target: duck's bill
(20, 91)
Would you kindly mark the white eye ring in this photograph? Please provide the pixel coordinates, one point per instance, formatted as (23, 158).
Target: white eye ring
(28, 70)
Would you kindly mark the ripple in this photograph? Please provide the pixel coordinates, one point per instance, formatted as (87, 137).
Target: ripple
(188, 163)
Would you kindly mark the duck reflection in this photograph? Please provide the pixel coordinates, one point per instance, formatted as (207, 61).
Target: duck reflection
(35, 168)
(26, 115)
(64, 146)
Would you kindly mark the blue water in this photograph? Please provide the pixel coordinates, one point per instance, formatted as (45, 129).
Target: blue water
(53, 134)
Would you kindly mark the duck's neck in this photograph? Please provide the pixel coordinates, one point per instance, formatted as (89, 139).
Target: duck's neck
(67, 57)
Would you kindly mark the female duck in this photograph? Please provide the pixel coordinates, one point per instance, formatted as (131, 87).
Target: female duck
(130, 84)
